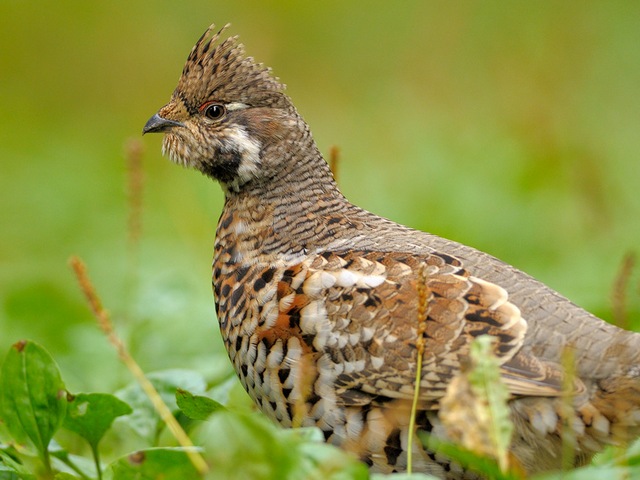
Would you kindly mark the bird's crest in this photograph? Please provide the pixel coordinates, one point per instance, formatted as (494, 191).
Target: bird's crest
(218, 70)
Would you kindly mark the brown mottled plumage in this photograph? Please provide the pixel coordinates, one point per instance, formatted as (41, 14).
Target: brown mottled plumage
(317, 298)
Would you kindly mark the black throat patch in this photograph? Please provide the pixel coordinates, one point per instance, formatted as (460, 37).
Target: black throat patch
(224, 167)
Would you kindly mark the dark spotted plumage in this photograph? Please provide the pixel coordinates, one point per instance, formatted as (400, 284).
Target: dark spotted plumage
(318, 299)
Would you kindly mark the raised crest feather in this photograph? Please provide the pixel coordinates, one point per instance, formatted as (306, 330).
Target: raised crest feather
(217, 69)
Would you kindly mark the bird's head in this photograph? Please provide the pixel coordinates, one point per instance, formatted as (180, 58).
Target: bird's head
(228, 115)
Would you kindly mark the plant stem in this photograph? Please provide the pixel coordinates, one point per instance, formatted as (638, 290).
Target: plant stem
(423, 307)
(414, 408)
(46, 460)
(104, 322)
(96, 459)
(67, 461)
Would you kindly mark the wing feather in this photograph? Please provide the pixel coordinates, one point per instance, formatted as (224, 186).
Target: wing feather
(360, 310)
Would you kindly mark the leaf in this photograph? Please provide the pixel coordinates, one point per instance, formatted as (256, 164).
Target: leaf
(153, 463)
(308, 434)
(593, 473)
(323, 461)
(63, 461)
(33, 397)
(10, 465)
(8, 473)
(65, 476)
(474, 409)
(485, 465)
(144, 420)
(91, 414)
(486, 383)
(233, 396)
(250, 446)
(196, 407)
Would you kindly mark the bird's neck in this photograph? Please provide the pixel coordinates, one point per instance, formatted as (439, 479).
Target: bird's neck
(289, 214)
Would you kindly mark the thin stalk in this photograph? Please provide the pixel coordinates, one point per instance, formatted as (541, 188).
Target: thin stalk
(568, 409)
(46, 461)
(104, 321)
(423, 304)
(67, 461)
(96, 459)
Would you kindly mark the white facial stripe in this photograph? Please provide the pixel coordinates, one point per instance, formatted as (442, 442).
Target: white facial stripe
(235, 106)
(249, 148)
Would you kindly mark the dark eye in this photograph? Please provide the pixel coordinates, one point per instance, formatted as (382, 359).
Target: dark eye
(213, 111)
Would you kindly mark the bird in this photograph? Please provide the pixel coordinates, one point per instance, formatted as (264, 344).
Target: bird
(318, 299)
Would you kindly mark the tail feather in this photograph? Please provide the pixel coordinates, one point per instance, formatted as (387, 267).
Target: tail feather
(618, 399)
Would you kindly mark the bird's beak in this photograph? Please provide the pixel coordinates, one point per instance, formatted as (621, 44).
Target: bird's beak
(157, 124)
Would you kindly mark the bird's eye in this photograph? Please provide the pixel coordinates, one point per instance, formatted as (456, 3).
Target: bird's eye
(213, 111)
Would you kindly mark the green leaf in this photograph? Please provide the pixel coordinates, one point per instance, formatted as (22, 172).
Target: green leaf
(323, 461)
(630, 456)
(153, 463)
(91, 414)
(593, 473)
(274, 453)
(8, 473)
(484, 465)
(474, 410)
(64, 461)
(144, 420)
(33, 397)
(196, 407)
(11, 465)
(233, 396)
(487, 385)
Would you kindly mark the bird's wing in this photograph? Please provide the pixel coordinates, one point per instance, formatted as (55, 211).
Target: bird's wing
(362, 313)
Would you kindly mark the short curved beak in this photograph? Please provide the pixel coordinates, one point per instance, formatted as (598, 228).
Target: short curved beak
(158, 124)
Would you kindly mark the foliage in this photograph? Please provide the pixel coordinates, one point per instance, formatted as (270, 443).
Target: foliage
(40, 406)
(236, 443)
(33, 398)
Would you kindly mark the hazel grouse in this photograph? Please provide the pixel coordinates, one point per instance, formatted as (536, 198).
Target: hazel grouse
(317, 298)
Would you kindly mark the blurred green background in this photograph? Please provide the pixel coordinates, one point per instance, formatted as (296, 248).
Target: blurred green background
(510, 126)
